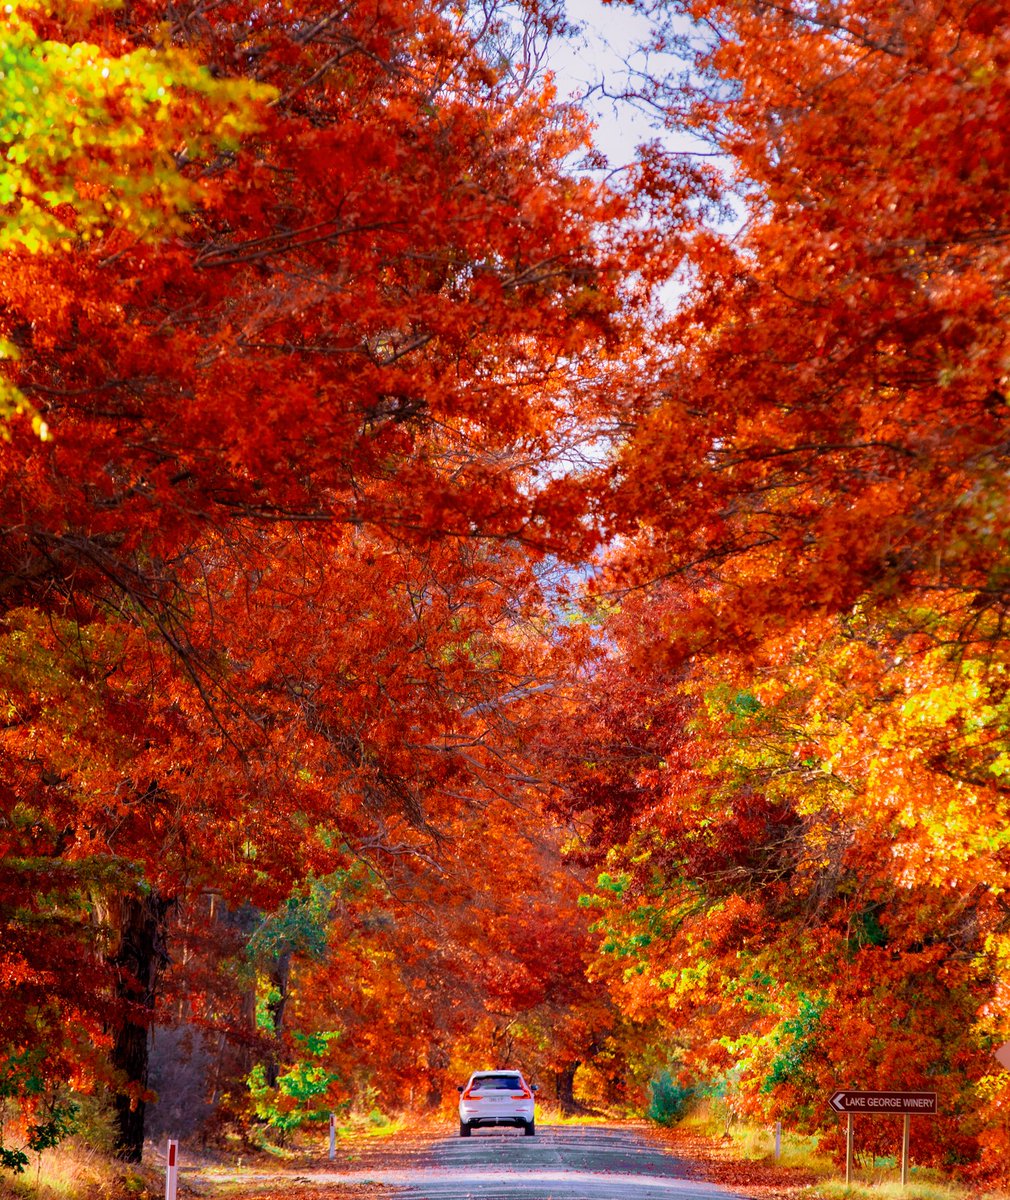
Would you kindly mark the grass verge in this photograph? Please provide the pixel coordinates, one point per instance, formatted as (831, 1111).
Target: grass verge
(73, 1171)
(742, 1157)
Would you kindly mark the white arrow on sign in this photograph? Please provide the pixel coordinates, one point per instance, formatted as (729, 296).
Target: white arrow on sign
(1003, 1055)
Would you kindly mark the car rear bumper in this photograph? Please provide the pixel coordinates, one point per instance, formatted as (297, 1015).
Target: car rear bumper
(472, 1115)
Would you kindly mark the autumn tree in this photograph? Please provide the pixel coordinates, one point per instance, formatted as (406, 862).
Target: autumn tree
(831, 415)
(426, 974)
(308, 423)
(777, 910)
(798, 812)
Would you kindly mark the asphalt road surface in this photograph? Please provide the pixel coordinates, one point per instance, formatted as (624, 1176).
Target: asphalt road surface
(594, 1162)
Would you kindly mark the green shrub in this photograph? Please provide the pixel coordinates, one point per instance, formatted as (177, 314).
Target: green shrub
(302, 1092)
(669, 1099)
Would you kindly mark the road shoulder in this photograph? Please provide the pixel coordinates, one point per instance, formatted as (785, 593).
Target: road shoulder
(713, 1160)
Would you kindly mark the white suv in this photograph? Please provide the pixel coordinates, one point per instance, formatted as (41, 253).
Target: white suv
(496, 1098)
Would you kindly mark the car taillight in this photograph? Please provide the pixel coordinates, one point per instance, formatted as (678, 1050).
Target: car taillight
(468, 1095)
(525, 1094)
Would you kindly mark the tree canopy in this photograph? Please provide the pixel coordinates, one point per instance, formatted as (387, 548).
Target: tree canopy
(417, 644)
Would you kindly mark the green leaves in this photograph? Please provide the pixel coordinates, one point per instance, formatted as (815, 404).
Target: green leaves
(301, 1092)
(299, 925)
(23, 1074)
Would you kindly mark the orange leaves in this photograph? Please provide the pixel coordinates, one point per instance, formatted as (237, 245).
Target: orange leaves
(809, 429)
(277, 598)
(811, 899)
(269, 578)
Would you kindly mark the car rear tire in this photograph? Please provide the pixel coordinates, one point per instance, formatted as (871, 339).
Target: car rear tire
(530, 1129)
(464, 1129)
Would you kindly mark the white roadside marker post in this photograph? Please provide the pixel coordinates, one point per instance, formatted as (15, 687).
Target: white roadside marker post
(171, 1169)
(778, 1140)
(333, 1136)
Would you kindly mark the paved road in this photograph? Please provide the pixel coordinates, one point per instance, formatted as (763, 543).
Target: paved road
(561, 1163)
(595, 1162)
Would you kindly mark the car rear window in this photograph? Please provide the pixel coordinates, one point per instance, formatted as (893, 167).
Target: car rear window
(501, 1083)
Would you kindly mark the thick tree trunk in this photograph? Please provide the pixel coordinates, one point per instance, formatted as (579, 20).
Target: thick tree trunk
(438, 1062)
(138, 962)
(564, 1083)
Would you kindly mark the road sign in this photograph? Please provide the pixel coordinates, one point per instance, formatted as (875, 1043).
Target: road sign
(1003, 1055)
(880, 1104)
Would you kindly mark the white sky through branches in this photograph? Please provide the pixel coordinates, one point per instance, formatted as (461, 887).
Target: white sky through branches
(603, 62)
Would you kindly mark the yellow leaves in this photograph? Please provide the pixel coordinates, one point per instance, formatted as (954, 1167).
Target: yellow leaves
(888, 748)
(87, 137)
(79, 11)
(1000, 765)
(963, 697)
(682, 981)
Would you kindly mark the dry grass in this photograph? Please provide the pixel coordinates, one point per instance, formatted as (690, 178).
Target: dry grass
(554, 1116)
(743, 1157)
(74, 1171)
(756, 1143)
(889, 1188)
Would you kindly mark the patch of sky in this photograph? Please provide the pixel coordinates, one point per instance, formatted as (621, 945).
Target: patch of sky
(614, 67)
(604, 66)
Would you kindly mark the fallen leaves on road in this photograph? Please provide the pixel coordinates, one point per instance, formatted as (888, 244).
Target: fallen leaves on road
(294, 1189)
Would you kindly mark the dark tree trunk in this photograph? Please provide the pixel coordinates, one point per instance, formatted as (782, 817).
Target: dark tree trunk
(564, 1083)
(438, 1062)
(138, 962)
(280, 977)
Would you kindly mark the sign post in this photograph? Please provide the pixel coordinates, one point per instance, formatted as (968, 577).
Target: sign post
(171, 1169)
(880, 1104)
